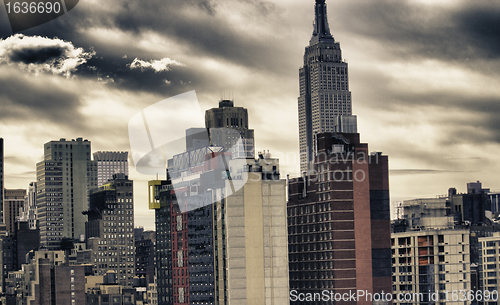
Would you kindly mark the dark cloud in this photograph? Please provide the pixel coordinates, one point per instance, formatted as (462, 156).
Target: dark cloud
(467, 31)
(117, 73)
(480, 26)
(197, 25)
(205, 32)
(203, 27)
(36, 54)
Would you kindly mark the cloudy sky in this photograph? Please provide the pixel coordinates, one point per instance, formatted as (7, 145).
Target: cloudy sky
(424, 76)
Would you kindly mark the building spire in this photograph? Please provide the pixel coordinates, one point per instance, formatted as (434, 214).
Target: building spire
(321, 28)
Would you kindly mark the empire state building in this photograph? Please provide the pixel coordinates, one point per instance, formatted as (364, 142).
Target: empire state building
(325, 99)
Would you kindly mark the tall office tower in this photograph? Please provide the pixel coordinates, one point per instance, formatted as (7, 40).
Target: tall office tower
(110, 229)
(64, 179)
(110, 163)
(226, 125)
(12, 207)
(339, 222)
(220, 219)
(325, 99)
(29, 210)
(213, 249)
(2, 186)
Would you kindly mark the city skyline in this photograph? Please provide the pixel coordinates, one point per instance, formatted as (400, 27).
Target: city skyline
(422, 76)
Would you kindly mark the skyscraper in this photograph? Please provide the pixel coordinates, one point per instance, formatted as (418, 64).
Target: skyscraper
(13, 206)
(110, 163)
(226, 125)
(339, 221)
(325, 99)
(110, 229)
(213, 249)
(64, 179)
(338, 211)
(220, 219)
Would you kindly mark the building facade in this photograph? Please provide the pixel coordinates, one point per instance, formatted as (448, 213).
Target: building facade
(221, 219)
(64, 179)
(339, 221)
(228, 128)
(473, 207)
(110, 163)
(325, 99)
(7, 254)
(110, 292)
(13, 205)
(48, 280)
(26, 240)
(110, 229)
(489, 271)
(428, 265)
(145, 245)
(29, 208)
(494, 198)
(231, 250)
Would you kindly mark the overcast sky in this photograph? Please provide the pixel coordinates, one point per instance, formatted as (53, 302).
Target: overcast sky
(424, 77)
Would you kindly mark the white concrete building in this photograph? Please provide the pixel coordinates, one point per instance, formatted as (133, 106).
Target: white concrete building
(428, 264)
